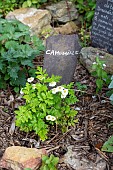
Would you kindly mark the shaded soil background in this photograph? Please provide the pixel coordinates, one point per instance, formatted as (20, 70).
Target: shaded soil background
(94, 116)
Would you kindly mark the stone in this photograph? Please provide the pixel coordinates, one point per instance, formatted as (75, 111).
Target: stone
(60, 12)
(18, 158)
(47, 31)
(36, 19)
(68, 28)
(61, 55)
(102, 26)
(89, 54)
(80, 162)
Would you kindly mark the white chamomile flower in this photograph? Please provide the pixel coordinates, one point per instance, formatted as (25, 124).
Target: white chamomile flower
(48, 117)
(54, 90)
(60, 88)
(65, 92)
(94, 63)
(52, 84)
(63, 96)
(34, 86)
(30, 79)
(104, 65)
(53, 118)
(21, 91)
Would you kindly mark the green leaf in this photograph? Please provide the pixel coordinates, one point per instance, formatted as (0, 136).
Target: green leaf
(34, 1)
(109, 93)
(108, 145)
(9, 28)
(21, 80)
(55, 161)
(44, 158)
(32, 72)
(99, 72)
(47, 161)
(13, 71)
(4, 37)
(18, 35)
(11, 44)
(94, 73)
(99, 83)
(104, 75)
(45, 167)
(89, 15)
(29, 3)
(24, 5)
(3, 84)
(42, 1)
(43, 107)
(27, 38)
(23, 28)
(6, 77)
(81, 2)
(27, 62)
(2, 65)
(16, 89)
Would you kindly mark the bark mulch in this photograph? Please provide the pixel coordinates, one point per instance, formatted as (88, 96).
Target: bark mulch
(92, 129)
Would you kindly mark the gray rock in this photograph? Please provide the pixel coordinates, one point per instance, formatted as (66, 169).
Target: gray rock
(68, 28)
(36, 19)
(60, 12)
(80, 162)
(60, 56)
(88, 55)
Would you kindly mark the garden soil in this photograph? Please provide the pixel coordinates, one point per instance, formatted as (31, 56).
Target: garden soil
(95, 110)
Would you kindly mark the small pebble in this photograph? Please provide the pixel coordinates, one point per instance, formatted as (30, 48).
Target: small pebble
(77, 108)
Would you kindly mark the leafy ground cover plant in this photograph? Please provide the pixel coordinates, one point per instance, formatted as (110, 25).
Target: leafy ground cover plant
(17, 51)
(46, 105)
(84, 36)
(49, 162)
(33, 3)
(86, 8)
(9, 5)
(100, 74)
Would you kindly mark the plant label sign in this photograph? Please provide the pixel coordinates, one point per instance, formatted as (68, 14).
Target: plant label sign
(60, 57)
(102, 27)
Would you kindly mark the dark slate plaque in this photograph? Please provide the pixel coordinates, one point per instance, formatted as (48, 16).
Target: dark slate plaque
(61, 56)
(102, 27)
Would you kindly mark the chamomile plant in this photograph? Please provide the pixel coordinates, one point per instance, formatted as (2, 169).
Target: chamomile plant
(46, 104)
(98, 71)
